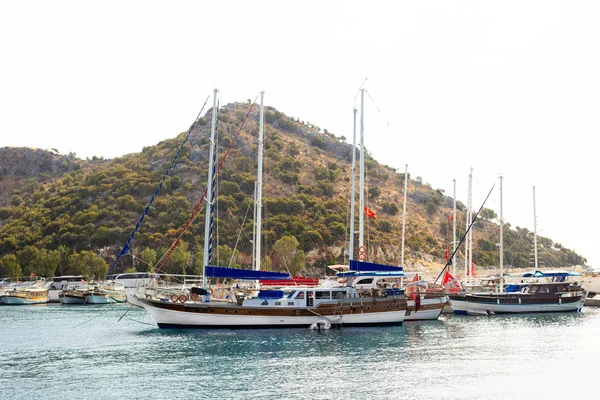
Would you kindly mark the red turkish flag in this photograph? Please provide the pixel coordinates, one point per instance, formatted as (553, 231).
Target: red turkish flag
(369, 213)
(449, 282)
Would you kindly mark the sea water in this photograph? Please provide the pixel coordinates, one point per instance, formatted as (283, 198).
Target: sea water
(117, 352)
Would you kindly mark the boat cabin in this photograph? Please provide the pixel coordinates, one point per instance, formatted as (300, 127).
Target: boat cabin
(300, 296)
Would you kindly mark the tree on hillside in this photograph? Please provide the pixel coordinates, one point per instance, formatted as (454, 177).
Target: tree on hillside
(11, 266)
(286, 248)
(88, 264)
(30, 259)
(148, 258)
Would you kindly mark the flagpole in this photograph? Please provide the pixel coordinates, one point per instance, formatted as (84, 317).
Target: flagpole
(404, 213)
(209, 193)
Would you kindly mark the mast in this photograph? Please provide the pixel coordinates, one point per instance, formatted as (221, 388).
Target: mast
(209, 193)
(535, 246)
(361, 206)
(501, 241)
(468, 239)
(404, 213)
(351, 249)
(254, 229)
(454, 229)
(259, 185)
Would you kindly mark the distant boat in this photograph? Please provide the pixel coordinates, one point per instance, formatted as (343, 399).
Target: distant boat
(106, 293)
(535, 298)
(23, 295)
(62, 282)
(73, 294)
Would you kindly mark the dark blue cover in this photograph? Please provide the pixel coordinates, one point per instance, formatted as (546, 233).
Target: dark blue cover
(366, 266)
(270, 294)
(235, 273)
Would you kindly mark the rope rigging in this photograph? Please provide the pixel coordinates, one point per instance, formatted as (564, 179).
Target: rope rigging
(201, 201)
(126, 248)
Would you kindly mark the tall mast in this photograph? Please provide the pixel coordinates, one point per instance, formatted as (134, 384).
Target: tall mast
(361, 206)
(468, 223)
(351, 249)
(535, 246)
(501, 241)
(254, 229)
(404, 213)
(454, 229)
(209, 199)
(471, 230)
(259, 185)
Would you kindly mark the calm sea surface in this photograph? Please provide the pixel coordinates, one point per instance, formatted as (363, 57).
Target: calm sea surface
(86, 352)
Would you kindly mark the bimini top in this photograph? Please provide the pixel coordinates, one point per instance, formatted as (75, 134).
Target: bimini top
(542, 274)
(235, 273)
(371, 273)
(366, 266)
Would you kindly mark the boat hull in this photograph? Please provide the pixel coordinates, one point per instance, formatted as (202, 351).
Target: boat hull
(472, 305)
(429, 309)
(18, 300)
(66, 299)
(98, 299)
(207, 315)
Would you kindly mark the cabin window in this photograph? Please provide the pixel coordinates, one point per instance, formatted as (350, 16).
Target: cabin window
(300, 295)
(323, 295)
(277, 303)
(290, 303)
(365, 281)
(544, 289)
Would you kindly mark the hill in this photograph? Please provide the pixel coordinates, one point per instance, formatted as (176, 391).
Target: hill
(70, 206)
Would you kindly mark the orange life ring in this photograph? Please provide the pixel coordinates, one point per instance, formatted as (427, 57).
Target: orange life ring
(183, 298)
(174, 298)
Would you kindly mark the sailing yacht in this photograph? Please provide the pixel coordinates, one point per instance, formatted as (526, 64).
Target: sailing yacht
(286, 307)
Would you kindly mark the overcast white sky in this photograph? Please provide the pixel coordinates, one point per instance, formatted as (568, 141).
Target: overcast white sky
(508, 87)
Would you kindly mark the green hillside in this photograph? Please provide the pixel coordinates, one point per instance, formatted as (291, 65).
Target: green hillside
(58, 212)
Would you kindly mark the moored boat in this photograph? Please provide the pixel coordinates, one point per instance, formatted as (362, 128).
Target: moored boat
(73, 295)
(535, 298)
(286, 308)
(24, 295)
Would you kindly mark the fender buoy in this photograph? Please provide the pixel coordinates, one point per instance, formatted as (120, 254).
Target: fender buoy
(174, 298)
(182, 298)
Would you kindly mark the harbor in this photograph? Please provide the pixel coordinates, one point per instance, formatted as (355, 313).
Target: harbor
(116, 351)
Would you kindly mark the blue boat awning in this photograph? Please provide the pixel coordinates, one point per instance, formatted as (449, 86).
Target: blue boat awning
(235, 273)
(366, 266)
(396, 274)
(541, 274)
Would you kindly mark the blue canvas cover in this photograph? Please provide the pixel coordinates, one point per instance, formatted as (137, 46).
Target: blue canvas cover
(235, 273)
(366, 266)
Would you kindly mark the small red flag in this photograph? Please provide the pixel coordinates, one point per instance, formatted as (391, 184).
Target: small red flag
(471, 271)
(451, 217)
(447, 253)
(453, 285)
(369, 213)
